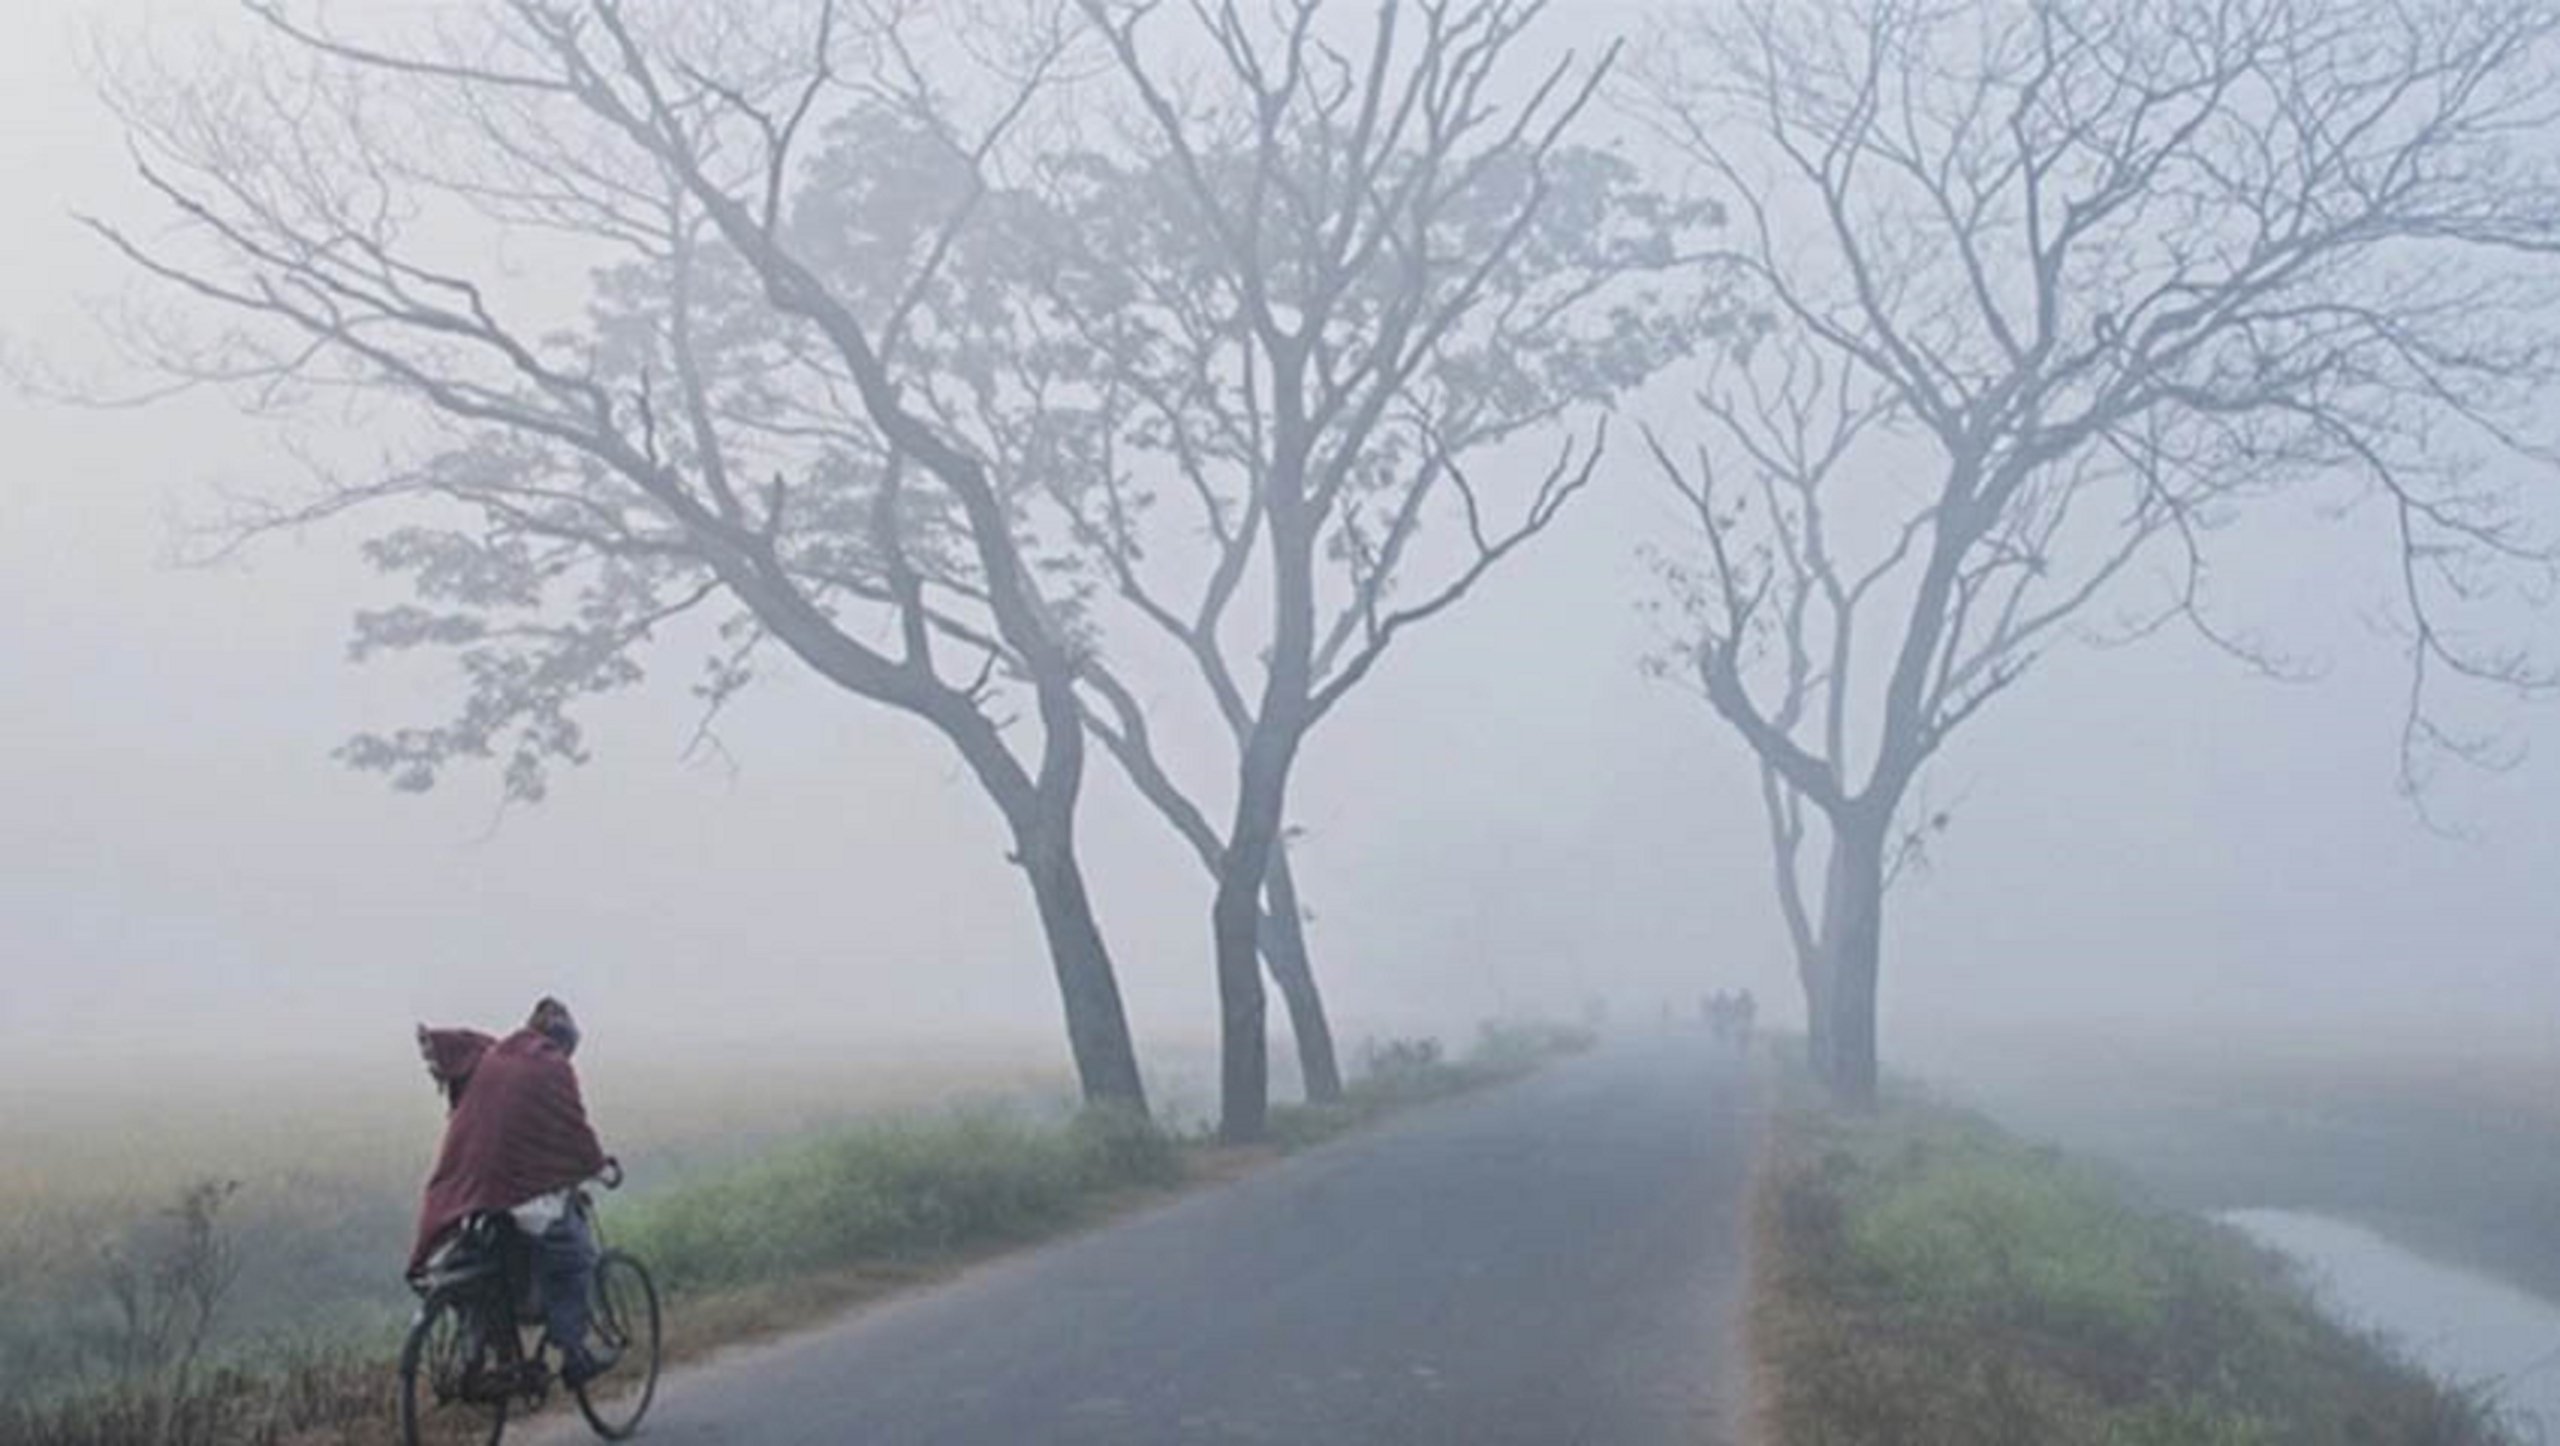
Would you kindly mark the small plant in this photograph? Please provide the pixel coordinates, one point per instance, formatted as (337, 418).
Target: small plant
(1123, 1147)
(1399, 1059)
(165, 1283)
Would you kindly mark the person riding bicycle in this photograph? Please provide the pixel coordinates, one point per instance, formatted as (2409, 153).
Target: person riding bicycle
(516, 1139)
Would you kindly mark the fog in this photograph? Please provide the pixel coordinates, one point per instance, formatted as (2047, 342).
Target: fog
(2146, 843)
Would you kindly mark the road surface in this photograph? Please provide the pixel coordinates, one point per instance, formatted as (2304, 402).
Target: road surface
(1557, 1261)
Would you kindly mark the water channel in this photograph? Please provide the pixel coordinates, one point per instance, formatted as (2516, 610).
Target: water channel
(2464, 1326)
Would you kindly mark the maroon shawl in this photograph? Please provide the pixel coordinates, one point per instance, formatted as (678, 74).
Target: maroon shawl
(518, 1128)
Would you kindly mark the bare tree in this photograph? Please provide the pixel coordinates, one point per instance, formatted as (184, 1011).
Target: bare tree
(744, 404)
(2053, 289)
(1322, 282)
(1115, 718)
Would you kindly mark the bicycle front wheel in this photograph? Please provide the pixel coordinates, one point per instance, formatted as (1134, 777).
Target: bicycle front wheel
(626, 1319)
(443, 1353)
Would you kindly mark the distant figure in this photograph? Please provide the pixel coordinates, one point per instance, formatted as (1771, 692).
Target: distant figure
(1729, 1016)
(516, 1139)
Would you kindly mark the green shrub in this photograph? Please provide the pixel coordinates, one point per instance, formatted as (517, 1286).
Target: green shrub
(887, 1192)
(1976, 1230)
(1121, 1147)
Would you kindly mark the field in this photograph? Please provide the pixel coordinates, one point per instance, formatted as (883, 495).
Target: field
(758, 1202)
(327, 1179)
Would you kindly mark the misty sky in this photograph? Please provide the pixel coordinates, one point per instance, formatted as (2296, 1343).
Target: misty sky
(1510, 814)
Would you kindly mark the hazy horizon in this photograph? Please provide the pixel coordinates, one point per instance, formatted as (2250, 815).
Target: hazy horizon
(2146, 842)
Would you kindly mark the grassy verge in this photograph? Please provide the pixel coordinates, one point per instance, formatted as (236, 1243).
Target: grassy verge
(797, 1233)
(890, 1193)
(2454, 1157)
(1927, 1280)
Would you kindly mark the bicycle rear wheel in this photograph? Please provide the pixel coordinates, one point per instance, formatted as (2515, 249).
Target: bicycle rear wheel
(626, 1319)
(444, 1349)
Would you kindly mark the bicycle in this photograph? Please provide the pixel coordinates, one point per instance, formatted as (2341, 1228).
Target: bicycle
(466, 1357)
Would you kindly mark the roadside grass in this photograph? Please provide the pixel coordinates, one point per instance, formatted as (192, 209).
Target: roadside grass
(2454, 1157)
(889, 1193)
(790, 1235)
(1925, 1279)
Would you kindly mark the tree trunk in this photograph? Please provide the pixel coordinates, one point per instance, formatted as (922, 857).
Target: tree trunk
(1284, 952)
(1853, 941)
(1813, 972)
(1097, 1026)
(1244, 1070)
(1244, 1103)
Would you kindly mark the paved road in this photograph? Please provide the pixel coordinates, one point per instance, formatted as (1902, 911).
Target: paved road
(1555, 1262)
